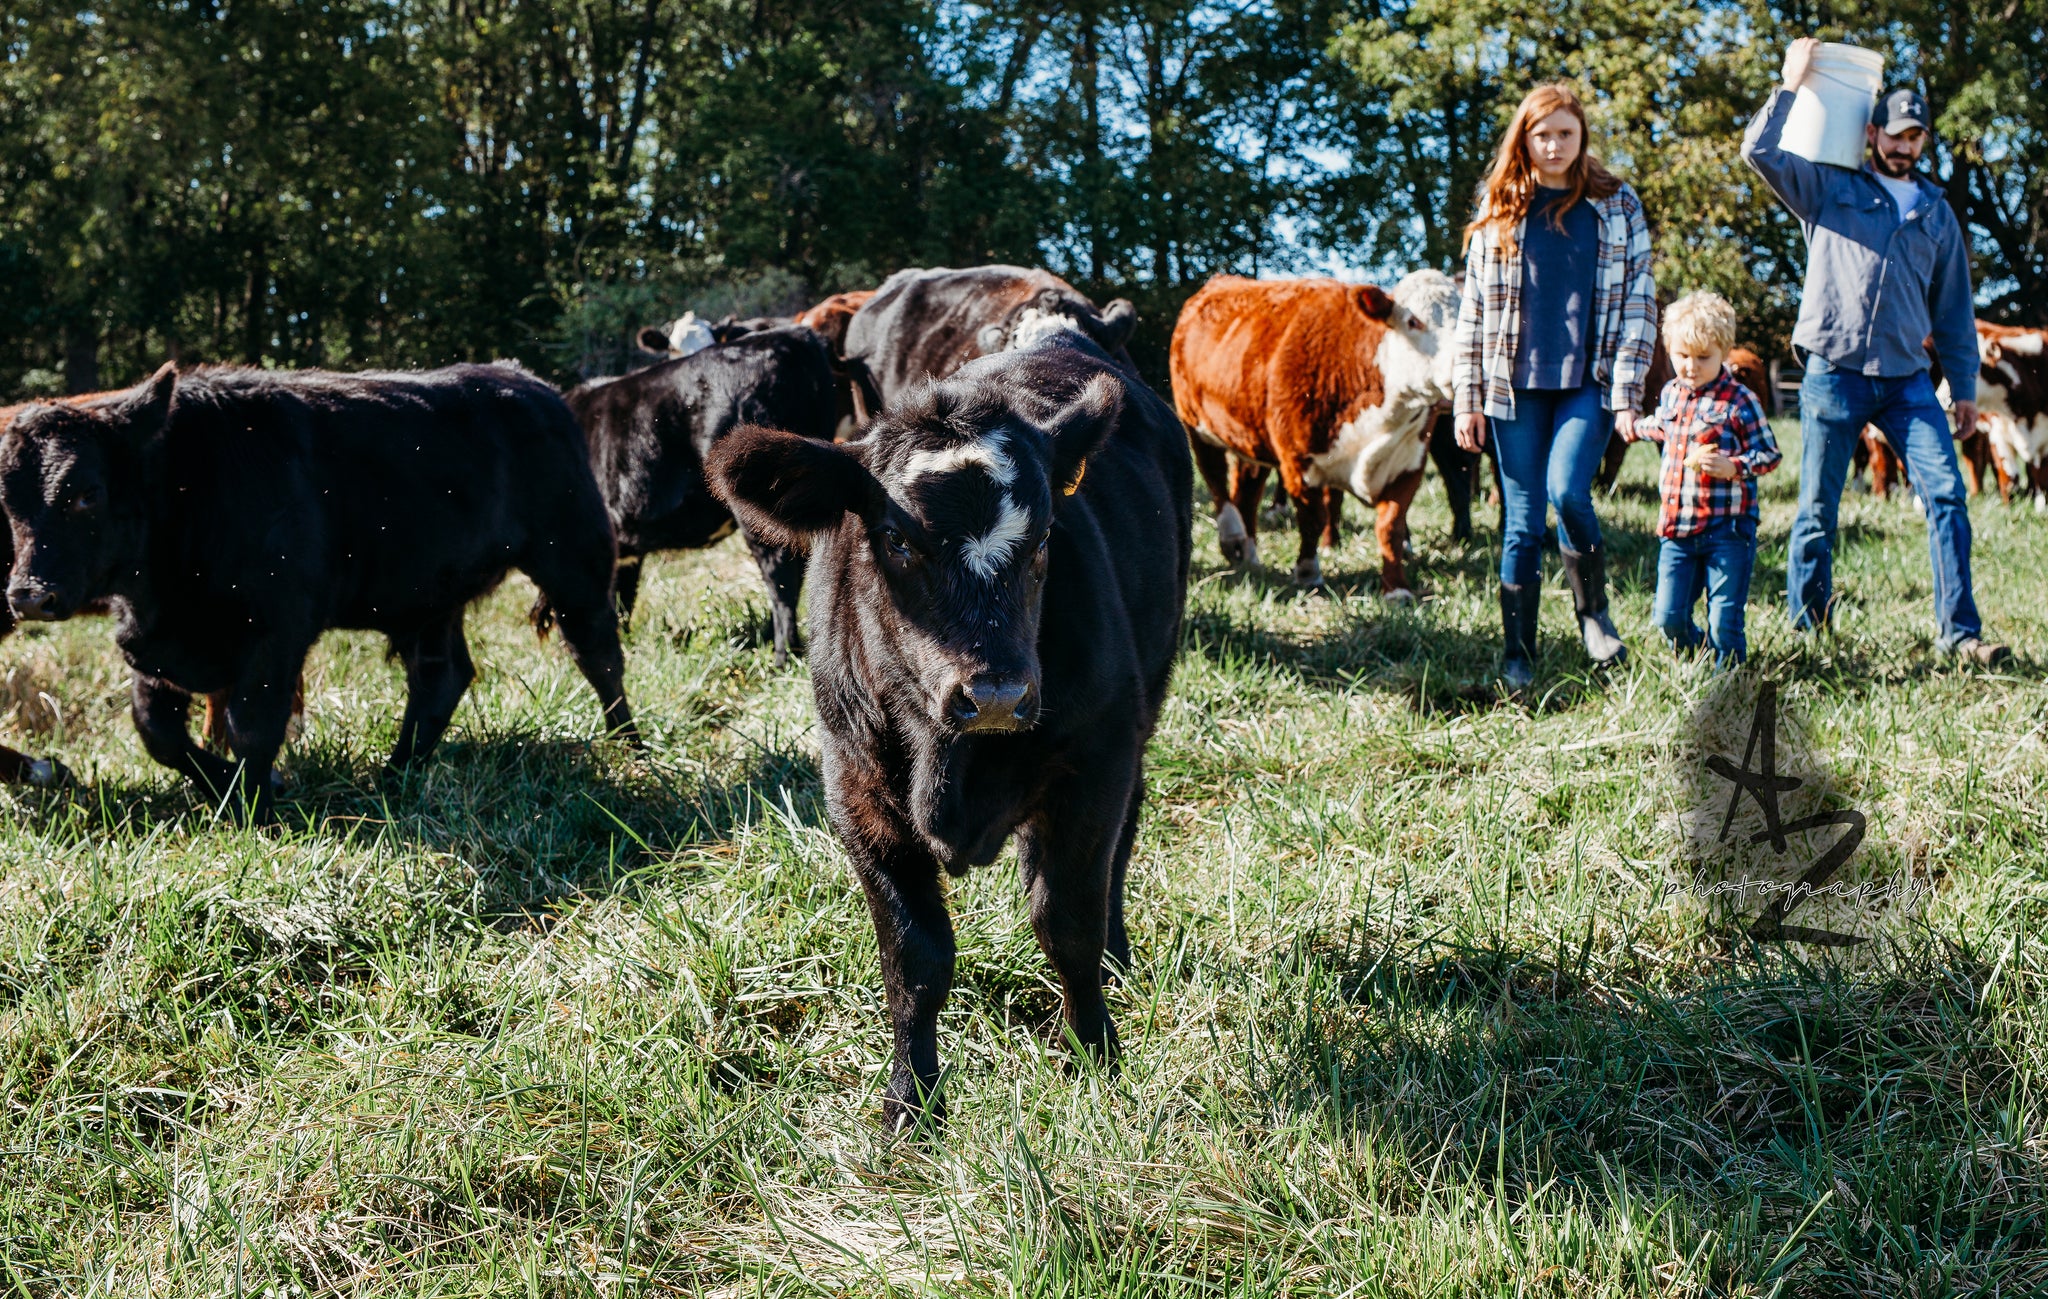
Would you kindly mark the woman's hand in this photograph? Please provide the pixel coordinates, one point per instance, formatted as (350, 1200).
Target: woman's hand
(1472, 431)
(1625, 424)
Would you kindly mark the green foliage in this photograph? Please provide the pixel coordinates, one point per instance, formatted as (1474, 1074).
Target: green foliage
(409, 182)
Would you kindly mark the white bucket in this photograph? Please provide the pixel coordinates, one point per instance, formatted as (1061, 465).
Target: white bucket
(1833, 105)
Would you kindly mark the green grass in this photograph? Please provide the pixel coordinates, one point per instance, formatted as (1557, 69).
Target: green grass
(1421, 1006)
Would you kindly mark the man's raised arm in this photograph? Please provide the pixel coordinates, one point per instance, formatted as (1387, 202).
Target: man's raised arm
(1798, 182)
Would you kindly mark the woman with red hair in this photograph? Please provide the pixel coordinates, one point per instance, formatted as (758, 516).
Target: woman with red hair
(1555, 333)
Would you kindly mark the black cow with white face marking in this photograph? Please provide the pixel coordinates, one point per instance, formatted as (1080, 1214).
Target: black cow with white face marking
(232, 515)
(649, 432)
(925, 324)
(998, 570)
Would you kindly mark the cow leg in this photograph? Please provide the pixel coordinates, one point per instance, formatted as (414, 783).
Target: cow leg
(17, 768)
(1214, 463)
(579, 596)
(626, 588)
(162, 718)
(1247, 485)
(1333, 517)
(1880, 471)
(1308, 520)
(1459, 469)
(1971, 446)
(1068, 855)
(1610, 464)
(783, 570)
(1390, 523)
(1117, 943)
(259, 710)
(914, 936)
(438, 670)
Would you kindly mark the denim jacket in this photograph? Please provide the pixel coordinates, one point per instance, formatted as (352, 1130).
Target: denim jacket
(1876, 286)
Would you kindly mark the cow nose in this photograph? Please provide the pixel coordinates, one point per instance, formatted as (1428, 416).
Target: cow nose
(32, 603)
(989, 704)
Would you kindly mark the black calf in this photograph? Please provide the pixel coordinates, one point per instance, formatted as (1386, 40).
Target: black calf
(234, 515)
(649, 432)
(998, 571)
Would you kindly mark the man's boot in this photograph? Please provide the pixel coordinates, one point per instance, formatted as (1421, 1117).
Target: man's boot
(1586, 570)
(1518, 606)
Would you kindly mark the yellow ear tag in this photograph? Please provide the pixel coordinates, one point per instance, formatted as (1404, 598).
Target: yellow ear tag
(1080, 472)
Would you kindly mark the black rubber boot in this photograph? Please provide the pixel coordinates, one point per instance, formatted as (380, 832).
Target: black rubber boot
(1518, 605)
(1586, 570)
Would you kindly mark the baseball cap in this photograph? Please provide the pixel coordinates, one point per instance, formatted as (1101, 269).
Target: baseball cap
(1898, 109)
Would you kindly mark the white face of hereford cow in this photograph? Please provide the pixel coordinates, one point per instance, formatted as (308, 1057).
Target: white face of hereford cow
(684, 336)
(1415, 356)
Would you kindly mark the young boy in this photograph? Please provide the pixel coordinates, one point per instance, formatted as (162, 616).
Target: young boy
(1716, 443)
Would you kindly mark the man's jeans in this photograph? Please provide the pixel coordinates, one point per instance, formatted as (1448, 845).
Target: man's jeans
(1717, 561)
(1834, 405)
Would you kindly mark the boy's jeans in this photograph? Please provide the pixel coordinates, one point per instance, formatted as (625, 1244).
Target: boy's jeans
(1717, 561)
(1834, 405)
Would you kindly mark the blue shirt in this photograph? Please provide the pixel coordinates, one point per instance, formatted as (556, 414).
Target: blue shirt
(1557, 294)
(1876, 285)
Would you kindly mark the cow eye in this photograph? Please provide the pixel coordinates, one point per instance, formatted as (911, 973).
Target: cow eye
(895, 542)
(86, 501)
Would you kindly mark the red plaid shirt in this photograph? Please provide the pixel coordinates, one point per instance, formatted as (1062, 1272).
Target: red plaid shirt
(1727, 415)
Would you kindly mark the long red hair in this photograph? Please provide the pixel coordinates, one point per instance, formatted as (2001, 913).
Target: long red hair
(1511, 185)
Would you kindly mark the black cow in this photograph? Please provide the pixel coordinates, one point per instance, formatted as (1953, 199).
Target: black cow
(233, 515)
(925, 324)
(649, 432)
(998, 570)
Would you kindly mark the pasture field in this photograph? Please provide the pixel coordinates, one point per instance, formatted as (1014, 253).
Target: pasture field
(1420, 1004)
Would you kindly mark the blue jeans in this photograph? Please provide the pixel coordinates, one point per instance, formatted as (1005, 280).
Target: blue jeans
(1548, 453)
(1717, 561)
(1834, 405)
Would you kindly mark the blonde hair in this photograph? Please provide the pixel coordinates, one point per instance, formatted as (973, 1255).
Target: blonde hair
(1700, 320)
(1511, 185)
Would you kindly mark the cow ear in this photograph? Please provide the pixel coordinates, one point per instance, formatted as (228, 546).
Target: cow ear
(1118, 319)
(785, 489)
(991, 339)
(1079, 429)
(148, 405)
(653, 340)
(1373, 301)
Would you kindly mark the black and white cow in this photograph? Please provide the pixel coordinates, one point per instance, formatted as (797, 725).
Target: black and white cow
(925, 324)
(998, 571)
(649, 432)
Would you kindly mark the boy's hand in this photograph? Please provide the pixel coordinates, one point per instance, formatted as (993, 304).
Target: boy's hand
(1711, 461)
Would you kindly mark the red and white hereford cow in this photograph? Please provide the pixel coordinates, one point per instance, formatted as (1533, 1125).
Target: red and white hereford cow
(1332, 384)
(2012, 405)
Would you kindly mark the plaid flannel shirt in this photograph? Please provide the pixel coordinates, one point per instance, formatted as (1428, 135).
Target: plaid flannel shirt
(1624, 313)
(1726, 414)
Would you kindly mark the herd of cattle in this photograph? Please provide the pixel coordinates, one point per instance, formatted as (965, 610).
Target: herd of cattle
(992, 507)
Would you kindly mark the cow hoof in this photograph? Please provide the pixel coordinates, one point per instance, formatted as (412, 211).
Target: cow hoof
(1233, 540)
(48, 773)
(1309, 573)
(1401, 596)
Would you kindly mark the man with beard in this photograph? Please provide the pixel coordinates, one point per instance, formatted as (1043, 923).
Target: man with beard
(1887, 267)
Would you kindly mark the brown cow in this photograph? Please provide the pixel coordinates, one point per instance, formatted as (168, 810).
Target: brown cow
(1333, 384)
(830, 319)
